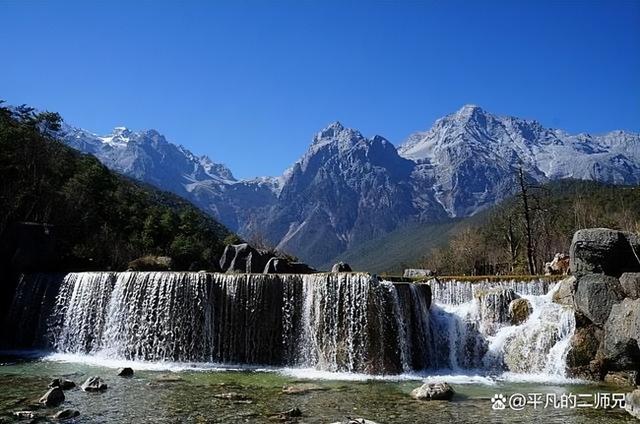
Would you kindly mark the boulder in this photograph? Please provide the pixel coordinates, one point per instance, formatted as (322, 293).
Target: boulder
(433, 391)
(621, 346)
(519, 311)
(151, 263)
(283, 266)
(595, 295)
(341, 267)
(63, 383)
(584, 346)
(243, 258)
(53, 397)
(630, 283)
(66, 414)
(558, 266)
(632, 403)
(417, 273)
(355, 421)
(286, 415)
(94, 384)
(602, 250)
(564, 295)
(125, 372)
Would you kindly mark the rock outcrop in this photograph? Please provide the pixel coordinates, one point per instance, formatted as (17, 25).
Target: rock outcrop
(284, 266)
(602, 250)
(341, 267)
(151, 263)
(243, 258)
(417, 273)
(595, 296)
(632, 403)
(606, 344)
(621, 347)
(630, 282)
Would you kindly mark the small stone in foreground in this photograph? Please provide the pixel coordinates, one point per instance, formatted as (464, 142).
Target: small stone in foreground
(125, 372)
(65, 414)
(433, 391)
(53, 397)
(632, 404)
(94, 384)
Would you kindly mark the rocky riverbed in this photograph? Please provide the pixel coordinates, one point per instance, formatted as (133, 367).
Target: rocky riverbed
(266, 396)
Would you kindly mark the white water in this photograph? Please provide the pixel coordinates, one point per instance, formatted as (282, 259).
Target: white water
(335, 326)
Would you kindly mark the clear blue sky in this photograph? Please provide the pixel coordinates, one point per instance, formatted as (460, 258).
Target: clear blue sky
(249, 83)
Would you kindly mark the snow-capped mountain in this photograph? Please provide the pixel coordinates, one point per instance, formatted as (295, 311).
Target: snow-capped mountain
(347, 188)
(472, 156)
(148, 156)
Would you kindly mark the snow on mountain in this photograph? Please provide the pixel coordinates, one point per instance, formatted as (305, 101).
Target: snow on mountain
(473, 156)
(148, 156)
(347, 188)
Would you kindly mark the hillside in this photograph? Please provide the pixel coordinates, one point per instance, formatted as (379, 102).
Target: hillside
(567, 206)
(81, 215)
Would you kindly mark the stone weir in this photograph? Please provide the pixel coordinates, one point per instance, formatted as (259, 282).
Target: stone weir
(350, 322)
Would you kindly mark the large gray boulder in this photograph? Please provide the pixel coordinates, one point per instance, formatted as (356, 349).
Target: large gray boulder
(151, 263)
(433, 391)
(243, 258)
(630, 282)
(595, 295)
(602, 250)
(621, 346)
(283, 266)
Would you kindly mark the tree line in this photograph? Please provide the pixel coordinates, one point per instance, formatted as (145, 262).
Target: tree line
(101, 220)
(522, 233)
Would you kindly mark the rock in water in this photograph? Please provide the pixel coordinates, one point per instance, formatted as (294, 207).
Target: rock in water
(341, 267)
(621, 345)
(519, 311)
(632, 403)
(630, 282)
(595, 295)
(65, 414)
(601, 250)
(417, 273)
(94, 384)
(63, 383)
(54, 397)
(494, 307)
(243, 258)
(433, 391)
(125, 372)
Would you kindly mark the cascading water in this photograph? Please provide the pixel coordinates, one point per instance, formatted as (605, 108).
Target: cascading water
(347, 322)
(475, 332)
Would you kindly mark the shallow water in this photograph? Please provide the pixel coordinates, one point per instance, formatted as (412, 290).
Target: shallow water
(175, 393)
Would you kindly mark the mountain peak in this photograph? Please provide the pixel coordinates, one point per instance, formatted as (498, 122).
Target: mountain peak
(469, 110)
(121, 131)
(331, 130)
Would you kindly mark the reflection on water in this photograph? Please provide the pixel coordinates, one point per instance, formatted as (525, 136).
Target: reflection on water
(157, 395)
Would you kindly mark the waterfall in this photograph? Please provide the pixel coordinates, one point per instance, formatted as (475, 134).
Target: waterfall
(475, 333)
(346, 322)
